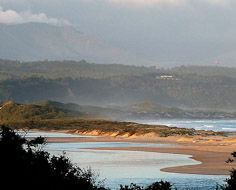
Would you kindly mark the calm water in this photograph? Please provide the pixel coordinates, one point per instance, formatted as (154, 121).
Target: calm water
(33, 134)
(215, 125)
(124, 167)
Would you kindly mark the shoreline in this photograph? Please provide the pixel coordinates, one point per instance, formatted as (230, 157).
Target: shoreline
(211, 154)
(211, 150)
(212, 163)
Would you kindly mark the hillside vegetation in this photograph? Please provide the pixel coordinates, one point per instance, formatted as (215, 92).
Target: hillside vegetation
(188, 88)
(64, 69)
(105, 127)
(74, 118)
(205, 71)
(10, 111)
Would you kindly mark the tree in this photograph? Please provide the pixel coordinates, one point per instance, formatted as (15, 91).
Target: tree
(231, 181)
(162, 185)
(25, 164)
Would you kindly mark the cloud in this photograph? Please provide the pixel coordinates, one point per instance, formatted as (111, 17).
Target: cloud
(12, 17)
(144, 3)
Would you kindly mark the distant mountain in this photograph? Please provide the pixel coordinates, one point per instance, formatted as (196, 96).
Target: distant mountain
(38, 41)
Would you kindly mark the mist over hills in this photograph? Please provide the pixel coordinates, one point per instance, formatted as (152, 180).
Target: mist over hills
(185, 88)
(46, 110)
(103, 85)
(40, 41)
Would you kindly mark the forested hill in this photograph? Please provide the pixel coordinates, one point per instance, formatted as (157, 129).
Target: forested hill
(83, 69)
(67, 69)
(205, 71)
(197, 88)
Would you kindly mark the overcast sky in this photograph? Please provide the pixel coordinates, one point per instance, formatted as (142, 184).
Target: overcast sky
(164, 32)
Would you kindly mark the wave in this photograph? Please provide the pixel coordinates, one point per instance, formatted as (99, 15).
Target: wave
(229, 128)
(209, 126)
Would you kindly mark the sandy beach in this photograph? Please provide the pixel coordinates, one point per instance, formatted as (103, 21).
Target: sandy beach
(212, 152)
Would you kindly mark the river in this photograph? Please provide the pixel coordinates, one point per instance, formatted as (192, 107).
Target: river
(124, 167)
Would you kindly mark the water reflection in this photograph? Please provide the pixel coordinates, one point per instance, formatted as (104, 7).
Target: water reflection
(124, 167)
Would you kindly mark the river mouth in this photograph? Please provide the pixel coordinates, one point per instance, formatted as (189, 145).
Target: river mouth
(125, 167)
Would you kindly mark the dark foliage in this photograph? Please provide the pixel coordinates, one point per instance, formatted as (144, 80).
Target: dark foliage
(162, 185)
(22, 162)
(206, 88)
(25, 164)
(231, 182)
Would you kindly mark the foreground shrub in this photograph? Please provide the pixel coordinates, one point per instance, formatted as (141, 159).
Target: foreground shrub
(231, 181)
(155, 186)
(25, 165)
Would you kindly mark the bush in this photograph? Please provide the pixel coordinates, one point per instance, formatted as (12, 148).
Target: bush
(162, 185)
(231, 181)
(24, 163)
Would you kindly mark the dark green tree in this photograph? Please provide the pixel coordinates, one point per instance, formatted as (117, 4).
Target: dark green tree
(231, 181)
(23, 164)
(162, 185)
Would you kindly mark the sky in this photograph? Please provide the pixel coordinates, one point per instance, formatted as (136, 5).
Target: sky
(164, 32)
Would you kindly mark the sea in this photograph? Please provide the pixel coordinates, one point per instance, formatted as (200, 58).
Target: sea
(214, 125)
